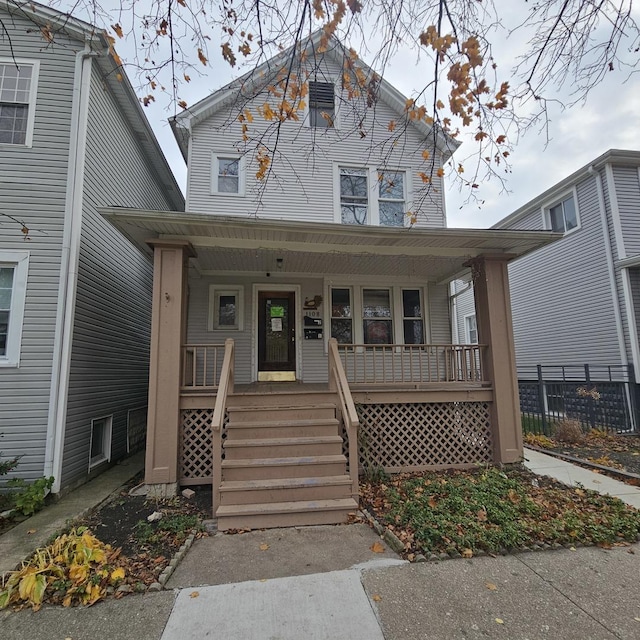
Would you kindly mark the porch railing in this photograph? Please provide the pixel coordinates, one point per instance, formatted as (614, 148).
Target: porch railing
(412, 363)
(224, 389)
(338, 382)
(200, 366)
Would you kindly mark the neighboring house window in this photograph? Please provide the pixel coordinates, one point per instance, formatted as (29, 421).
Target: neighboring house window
(563, 216)
(322, 108)
(471, 329)
(354, 195)
(226, 309)
(227, 175)
(18, 82)
(413, 325)
(376, 316)
(341, 316)
(13, 283)
(100, 449)
(391, 198)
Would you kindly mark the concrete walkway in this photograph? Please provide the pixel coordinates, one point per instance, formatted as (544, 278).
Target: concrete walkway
(18, 543)
(572, 475)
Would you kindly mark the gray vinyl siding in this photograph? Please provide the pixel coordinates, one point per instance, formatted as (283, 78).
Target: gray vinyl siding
(32, 189)
(627, 184)
(301, 185)
(110, 349)
(561, 299)
(465, 306)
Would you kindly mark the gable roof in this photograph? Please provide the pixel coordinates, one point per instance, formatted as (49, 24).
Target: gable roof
(612, 156)
(183, 122)
(113, 75)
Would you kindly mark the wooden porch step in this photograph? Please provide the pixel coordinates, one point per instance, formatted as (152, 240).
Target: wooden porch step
(286, 467)
(285, 514)
(282, 428)
(301, 397)
(320, 411)
(282, 447)
(285, 490)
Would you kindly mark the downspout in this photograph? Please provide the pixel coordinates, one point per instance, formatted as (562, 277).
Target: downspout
(68, 269)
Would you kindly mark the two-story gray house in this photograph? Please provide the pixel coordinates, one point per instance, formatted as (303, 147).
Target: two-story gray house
(280, 304)
(577, 301)
(75, 300)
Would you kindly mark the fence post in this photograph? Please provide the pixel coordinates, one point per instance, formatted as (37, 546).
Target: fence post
(590, 408)
(541, 402)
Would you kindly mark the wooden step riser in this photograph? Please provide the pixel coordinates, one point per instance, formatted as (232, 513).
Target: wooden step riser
(256, 432)
(257, 472)
(283, 520)
(282, 450)
(280, 399)
(272, 414)
(262, 496)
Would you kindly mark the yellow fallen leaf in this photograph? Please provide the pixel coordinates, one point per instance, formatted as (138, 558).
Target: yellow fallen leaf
(572, 548)
(580, 492)
(31, 531)
(264, 546)
(263, 579)
(194, 594)
(637, 619)
(376, 547)
(491, 586)
(499, 620)
(376, 597)
(467, 553)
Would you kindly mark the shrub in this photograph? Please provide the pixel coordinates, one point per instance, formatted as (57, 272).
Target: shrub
(568, 431)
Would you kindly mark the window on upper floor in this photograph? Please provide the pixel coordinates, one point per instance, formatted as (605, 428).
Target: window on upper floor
(391, 198)
(471, 329)
(13, 284)
(18, 81)
(354, 196)
(563, 216)
(322, 106)
(227, 175)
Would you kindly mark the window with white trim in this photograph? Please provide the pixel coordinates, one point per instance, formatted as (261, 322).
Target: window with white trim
(341, 315)
(563, 216)
(391, 198)
(471, 329)
(18, 83)
(227, 175)
(322, 104)
(13, 284)
(226, 308)
(100, 447)
(377, 325)
(354, 195)
(413, 325)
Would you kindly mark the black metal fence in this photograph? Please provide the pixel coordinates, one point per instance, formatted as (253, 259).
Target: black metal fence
(602, 397)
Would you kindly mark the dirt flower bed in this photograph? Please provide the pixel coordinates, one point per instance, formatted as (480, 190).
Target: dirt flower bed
(492, 510)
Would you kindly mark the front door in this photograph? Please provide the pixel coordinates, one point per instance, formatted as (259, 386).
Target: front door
(276, 335)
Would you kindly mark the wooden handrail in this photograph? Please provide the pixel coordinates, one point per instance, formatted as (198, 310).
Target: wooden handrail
(225, 387)
(338, 382)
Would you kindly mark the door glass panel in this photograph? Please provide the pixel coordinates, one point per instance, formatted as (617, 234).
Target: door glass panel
(277, 330)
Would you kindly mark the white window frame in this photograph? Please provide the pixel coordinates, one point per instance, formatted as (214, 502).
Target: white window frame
(402, 317)
(379, 198)
(467, 328)
(373, 186)
(215, 291)
(215, 167)
(546, 211)
(336, 107)
(33, 92)
(19, 260)
(106, 441)
(351, 305)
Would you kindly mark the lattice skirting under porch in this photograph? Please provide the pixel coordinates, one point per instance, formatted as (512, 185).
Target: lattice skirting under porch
(408, 436)
(195, 445)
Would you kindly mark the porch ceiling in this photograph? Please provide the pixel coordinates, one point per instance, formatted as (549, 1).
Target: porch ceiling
(225, 243)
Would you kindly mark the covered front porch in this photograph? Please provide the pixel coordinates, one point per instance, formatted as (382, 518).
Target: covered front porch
(287, 357)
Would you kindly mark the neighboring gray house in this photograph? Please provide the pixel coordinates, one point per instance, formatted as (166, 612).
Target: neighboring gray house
(576, 301)
(75, 296)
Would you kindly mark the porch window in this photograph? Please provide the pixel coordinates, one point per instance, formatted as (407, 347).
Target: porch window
(17, 101)
(471, 329)
(100, 448)
(322, 107)
(227, 175)
(391, 198)
(563, 216)
(354, 195)
(225, 309)
(376, 316)
(13, 284)
(412, 316)
(341, 316)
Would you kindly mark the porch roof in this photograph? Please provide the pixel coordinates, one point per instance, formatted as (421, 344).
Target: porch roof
(233, 243)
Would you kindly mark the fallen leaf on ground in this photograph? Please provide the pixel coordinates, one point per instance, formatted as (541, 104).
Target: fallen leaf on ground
(433, 503)
(467, 553)
(499, 620)
(491, 586)
(376, 597)
(580, 492)
(637, 619)
(264, 546)
(194, 594)
(31, 531)
(376, 547)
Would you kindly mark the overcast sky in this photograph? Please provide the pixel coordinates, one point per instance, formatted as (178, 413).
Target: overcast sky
(609, 119)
